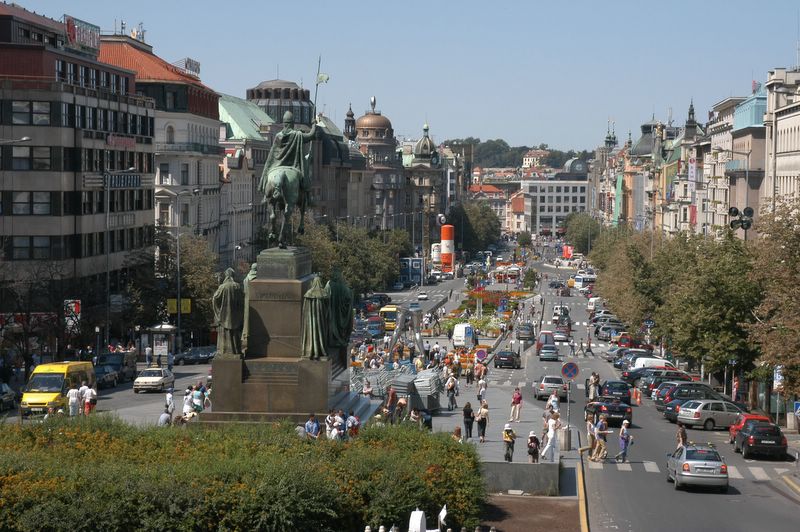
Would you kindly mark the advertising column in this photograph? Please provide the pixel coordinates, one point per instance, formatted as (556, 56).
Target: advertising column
(447, 249)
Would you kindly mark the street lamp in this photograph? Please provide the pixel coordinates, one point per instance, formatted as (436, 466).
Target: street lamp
(743, 219)
(107, 193)
(14, 141)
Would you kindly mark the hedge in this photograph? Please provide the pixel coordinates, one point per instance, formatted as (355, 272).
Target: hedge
(103, 474)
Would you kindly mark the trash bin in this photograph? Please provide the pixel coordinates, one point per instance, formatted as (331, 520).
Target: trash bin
(564, 439)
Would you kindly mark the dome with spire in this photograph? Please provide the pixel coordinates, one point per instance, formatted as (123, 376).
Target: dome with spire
(424, 148)
(373, 119)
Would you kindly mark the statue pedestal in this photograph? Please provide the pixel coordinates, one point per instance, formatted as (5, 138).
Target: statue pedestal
(273, 382)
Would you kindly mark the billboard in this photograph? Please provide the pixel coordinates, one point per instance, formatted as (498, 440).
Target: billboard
(82, 36)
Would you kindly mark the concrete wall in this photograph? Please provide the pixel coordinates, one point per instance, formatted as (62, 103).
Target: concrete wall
(534, 479)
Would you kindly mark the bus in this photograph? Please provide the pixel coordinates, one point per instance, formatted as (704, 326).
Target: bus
(584, 280)
(389, 316)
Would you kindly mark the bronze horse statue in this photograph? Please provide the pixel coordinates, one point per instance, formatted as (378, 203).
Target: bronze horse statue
(285, 181)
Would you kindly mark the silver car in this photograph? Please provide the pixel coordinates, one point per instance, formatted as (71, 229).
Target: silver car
(697, 465)
(548, 352)
(546, 385)
(708, 413)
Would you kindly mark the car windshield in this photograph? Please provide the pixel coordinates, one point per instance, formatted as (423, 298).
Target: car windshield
(45, 382)
(707, 455)
(690, 404)
(150, 373)
(553, 380)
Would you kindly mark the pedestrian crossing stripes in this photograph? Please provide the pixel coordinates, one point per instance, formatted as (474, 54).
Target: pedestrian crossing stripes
(753, 473)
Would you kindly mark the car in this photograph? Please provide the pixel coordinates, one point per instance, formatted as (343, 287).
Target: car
(545, 337)
(422, 296)
(196, 355)
(398, 286)
(510, 359)
(616, 410)
(380, 299)
(616, 389)
(740, 421)
(560, 336)
(672, 409)
(688, 390)
(546, 384)
(548, 352)
(525, 332)
(124, 362)
(697, 465)
(8, 397)
(432, 279)
(107, 376)
(611, 354)
(708, 413)
(758, 437)
(556, 284)
(606, 331)
(156, 379)
(448, 276)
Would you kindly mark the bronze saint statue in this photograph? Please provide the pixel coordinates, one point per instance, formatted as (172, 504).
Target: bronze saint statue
(315, 321)
(286, 179)
(228, 303)
(252, 274)
(341, 314)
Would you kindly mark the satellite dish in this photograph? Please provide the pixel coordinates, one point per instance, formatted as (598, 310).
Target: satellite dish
(441, 219)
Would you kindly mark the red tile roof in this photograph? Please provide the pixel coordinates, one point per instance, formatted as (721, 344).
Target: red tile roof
(489, 189)
(518, 203)
(147, 65)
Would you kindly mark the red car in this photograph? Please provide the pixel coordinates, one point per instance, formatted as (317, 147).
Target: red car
(741, 419)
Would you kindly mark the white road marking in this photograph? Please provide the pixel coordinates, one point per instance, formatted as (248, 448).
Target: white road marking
(651, 467)
(624, 467)
(580, 386)
(781, 470)
(595, 465)
(522, 384)
(758, 472)
(507, 383)
(734, 473)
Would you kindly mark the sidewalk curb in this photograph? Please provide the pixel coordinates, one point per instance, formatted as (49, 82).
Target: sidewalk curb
(583, 503)
(791, 483)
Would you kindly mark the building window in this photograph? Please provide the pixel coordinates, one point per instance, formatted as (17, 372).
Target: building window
(41, 247)
(21, 247)
(82, 75)
(583, 190)
(87, 200)
(21, 203)
(28, 158)
(93, 77)
(61, 70)
(185, 214)
(549, 208)
(558, 189)
(170, 135)
(30, 113)
(70, 72)
(163, 173)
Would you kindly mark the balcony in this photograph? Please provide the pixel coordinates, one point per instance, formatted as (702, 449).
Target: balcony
(735, 165)
(205, 149)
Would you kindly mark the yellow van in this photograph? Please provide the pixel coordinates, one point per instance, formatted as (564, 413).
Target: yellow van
(49, 383)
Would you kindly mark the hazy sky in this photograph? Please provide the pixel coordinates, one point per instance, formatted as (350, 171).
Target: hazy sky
(526, 71)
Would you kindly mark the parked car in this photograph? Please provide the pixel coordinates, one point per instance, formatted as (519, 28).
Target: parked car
(741, 420)
(548, 352)
(688, 390)
(156, 379)
(546, 384)
(672, 409)
(616, 410)
(381, 299)
(697, 465)
(758, 437)
(510, 359)
(606, 331)
(708, 413)
(107, 376)
(556, 284)
(8, 397)
(525, 332)
(617, 389)
(124, 362)
(196, 355)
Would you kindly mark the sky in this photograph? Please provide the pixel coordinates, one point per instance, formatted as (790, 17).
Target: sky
(529, 72)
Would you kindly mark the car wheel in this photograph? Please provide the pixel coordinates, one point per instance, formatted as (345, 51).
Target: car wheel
(736, 447)
(135, 390)
(746, 452)
(708, 425)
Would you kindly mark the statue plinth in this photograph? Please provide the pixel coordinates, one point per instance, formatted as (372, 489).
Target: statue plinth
(273, 381)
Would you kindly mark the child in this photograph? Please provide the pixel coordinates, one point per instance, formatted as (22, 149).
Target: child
(533, 448)
(508, 440)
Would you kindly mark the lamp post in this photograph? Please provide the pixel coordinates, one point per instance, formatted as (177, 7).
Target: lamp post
(742, 220)
(107, 197)
(15, 141)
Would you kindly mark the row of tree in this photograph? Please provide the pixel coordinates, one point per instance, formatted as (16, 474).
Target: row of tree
(496, 153)
(720, 302)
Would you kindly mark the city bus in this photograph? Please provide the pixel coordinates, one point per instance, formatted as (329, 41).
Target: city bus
(583, 280)
(389, 316)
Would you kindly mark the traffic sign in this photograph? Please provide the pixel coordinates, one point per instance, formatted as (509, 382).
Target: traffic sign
(649, 323)
(570, 370)
(480, 354)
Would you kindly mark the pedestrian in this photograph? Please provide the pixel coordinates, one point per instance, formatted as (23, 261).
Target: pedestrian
(601, 442)
(198, 398)
(312, 427)
(452, 388)
(148, 355)
(572, 347)
(426, 347)
(330, 419)
(594, 381)
(590, 437)
(516, 405)
(158, 359)
(352, 424)
(74, 400)
(165, 419)
(553, 401)
(82, 392)
(553, 425)
(470, 372)
(469, 420)
(391, 402)
(89, 400)
(625, 441)
(735, 391)
(481, 391)
(169, 402)
(188, 406)
(483, 419)
(680, 436)
(582, 350)
(533, 448)
(170, 360)
(508, 442)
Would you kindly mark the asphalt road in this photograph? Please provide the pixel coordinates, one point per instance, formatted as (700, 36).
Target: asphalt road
(637, 497)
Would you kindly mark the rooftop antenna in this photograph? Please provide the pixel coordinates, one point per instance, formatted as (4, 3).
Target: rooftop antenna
(122, 27)
(669, 116)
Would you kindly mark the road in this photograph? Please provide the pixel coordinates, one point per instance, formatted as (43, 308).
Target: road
(637, 497)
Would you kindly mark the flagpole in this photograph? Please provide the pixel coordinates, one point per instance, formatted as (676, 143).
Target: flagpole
(316, 85)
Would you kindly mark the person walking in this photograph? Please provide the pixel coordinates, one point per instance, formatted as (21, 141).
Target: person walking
(508, 442)
(452, 388)
(625, 441)
(483, 419)
(551, 449)
(469, 421)
(330, 419)
(74, 400)
(572, 347)
(553, 401)
(148, 356)
(601, 446)
(481, 391)
(82, 393)
(169, 402)
(470, 373)
(680, 436)
(533, 448)
(516, 405)
(89, 400)
(594, 381)
(590, 437)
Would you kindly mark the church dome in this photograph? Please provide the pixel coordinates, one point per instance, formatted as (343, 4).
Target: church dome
(373, 120)
(424, 146)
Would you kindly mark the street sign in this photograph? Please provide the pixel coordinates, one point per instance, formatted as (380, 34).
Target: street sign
(480, 354)
(186, 305)
(649, 323)
(570, 370)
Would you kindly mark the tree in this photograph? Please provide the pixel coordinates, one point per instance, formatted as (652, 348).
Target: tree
(478, 223)
(524, 239)
(581, 230)
(776, 267)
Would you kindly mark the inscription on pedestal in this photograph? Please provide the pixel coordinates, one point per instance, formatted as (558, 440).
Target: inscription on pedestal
(291, 263)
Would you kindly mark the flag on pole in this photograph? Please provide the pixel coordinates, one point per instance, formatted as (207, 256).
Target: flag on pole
(322, 78)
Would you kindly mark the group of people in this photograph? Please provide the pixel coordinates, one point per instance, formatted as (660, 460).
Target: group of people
(597, 433)
(338, 426)
(81, 401)
(196, 398)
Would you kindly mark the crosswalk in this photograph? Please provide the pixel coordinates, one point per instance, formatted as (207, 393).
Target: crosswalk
(752, 473)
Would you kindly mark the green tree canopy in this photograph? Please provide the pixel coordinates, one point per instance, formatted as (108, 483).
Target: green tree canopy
(582, 229)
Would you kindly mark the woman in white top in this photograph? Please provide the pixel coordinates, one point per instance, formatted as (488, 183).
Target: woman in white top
(481, 391)
(553, 401)
(553, 424)
(187, 402)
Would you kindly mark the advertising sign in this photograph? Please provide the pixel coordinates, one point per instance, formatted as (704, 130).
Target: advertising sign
(82, 36)
(72, 316)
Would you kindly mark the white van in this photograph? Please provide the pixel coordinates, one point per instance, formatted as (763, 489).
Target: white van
(647, 362)
(593, 303)
(463, 335)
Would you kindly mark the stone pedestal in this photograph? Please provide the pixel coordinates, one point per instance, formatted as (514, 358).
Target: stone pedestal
(273, 382)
